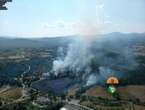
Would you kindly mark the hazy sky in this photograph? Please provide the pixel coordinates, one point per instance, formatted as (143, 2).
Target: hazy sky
(41, 18)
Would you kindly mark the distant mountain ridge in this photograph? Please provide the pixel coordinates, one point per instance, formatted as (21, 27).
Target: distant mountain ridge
(8, 42)
(32, 43)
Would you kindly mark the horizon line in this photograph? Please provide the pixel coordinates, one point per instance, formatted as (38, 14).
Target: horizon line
(57, 36)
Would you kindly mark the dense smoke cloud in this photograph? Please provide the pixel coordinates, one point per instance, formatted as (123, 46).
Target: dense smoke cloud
(91, 56)
(77, 58)
(94, 61)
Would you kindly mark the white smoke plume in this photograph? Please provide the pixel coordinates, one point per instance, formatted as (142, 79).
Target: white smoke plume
(78, 57)
(93, 63)
(84, 59)
(104, 74)
(92, 79)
